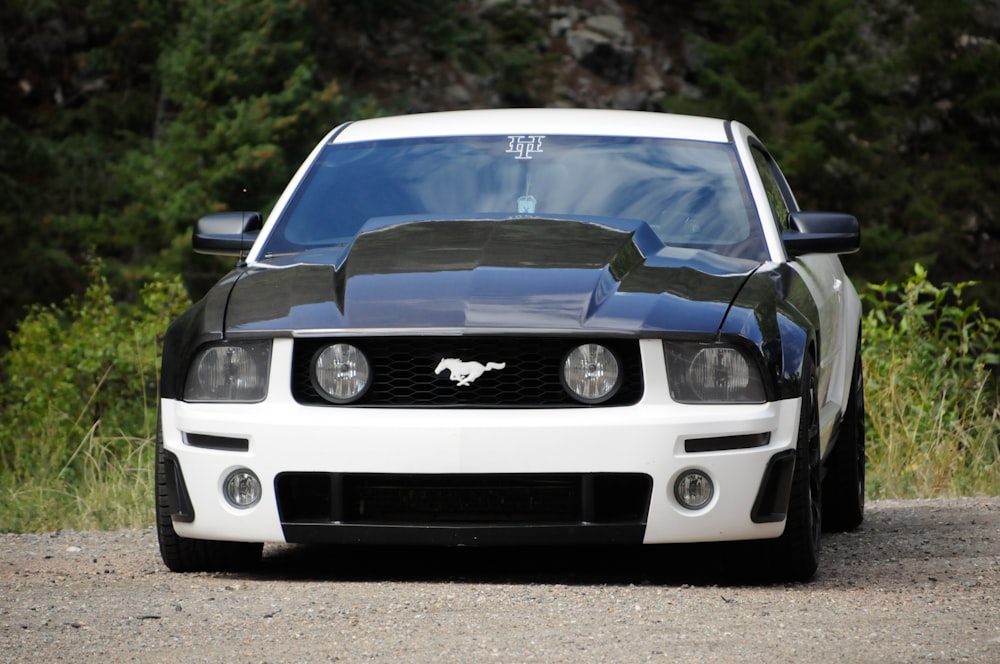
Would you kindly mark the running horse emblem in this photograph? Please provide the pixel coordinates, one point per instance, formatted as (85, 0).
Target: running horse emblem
(465, 373)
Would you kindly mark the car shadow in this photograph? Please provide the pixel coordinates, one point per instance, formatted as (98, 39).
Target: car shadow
(730, 564)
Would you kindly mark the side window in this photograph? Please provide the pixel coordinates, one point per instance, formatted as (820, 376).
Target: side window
(766, 167)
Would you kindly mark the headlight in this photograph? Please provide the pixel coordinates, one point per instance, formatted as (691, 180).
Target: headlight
(230, 372)
(341, 373)
(707, 373)
(590, 373)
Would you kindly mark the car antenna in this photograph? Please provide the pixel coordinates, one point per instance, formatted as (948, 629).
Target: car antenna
(242, 262)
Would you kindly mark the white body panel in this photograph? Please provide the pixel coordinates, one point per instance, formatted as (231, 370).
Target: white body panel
(837, 302)
(566, 122)
(645, 438)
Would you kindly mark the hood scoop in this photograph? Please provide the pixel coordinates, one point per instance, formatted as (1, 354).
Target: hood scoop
(514, 272)
(510, 273)
(392, 246)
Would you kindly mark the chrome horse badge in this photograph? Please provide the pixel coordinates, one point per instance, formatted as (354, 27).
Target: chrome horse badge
(465, 373)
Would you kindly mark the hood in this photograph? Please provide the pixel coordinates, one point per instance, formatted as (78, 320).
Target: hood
(520, 273)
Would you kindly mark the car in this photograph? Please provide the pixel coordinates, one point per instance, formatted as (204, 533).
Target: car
(518, 327)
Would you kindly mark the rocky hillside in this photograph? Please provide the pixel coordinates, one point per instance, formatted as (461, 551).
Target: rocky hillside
(591, 53)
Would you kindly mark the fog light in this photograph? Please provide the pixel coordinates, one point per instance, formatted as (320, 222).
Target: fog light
(591, 373)
(341, 373)
(693, 489)
(242, 489)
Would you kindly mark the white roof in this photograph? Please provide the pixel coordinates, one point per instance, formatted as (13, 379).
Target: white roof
(547, 121)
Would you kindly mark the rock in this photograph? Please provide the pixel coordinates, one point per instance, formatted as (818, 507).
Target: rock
(611, 57)
(491, 9)
(629, 99)
(558, 27)
(456, 95)
(610, 26)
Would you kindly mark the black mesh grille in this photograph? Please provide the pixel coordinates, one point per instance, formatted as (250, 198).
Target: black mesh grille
(403, 371)
(595, 498)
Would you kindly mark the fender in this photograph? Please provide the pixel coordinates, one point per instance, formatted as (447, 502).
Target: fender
(203, 323)
(775, 312)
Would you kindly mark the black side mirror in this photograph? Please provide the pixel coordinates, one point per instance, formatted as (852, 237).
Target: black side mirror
(821, 233)
(226, 233)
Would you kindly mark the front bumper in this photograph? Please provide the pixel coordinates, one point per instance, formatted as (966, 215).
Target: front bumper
(284, 438)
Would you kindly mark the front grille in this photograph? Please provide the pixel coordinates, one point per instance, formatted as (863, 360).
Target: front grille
(403, 371)
(469, 499)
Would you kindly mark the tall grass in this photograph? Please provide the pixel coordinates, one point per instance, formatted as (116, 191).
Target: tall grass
(930, 391)
(111, 486)
(78, 415)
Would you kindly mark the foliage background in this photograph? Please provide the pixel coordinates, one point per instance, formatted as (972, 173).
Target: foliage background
(123, 122)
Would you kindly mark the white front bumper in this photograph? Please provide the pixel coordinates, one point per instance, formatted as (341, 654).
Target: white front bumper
(648, 438)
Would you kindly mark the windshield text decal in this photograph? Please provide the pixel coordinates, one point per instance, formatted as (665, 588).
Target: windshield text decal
(524, 146)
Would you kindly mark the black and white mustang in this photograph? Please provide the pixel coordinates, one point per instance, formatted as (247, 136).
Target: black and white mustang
(518, 326)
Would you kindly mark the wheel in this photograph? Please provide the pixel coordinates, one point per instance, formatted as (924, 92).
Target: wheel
(183, 554)
(844, 485)
(795, 555)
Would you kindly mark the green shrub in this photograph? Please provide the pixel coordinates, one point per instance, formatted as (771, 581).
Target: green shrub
(932, 408)
(79, 409)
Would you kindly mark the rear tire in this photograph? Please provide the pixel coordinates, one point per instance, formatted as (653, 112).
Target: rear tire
(183, 554)
(844, 485)
(795, 555)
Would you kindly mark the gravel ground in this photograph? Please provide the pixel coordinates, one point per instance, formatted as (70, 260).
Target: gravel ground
(919, 581)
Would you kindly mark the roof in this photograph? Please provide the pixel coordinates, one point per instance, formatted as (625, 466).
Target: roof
(546, 121)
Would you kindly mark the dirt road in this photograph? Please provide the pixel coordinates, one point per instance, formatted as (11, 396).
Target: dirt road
(920, 581)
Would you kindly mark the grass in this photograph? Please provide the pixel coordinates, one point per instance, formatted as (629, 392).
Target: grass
(927, 444)
(931, 397)
(77, 441)
(78, 410)
(106, 490)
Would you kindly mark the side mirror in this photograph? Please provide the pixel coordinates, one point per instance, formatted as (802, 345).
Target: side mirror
(226, 233)
(821, 233)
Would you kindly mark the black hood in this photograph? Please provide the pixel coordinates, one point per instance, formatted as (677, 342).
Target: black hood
(517, 273)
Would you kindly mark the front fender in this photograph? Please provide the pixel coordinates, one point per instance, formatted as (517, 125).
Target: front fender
(775, 312)
(202, 323)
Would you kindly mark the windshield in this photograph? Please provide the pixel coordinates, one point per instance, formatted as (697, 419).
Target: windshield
(691, 194)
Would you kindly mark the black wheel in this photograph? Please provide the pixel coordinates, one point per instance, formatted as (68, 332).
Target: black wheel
(182, 554)
(795, 555)
(844, 485)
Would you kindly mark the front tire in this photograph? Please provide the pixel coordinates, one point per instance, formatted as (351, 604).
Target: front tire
(183, 554)
(795, 555)
(844, 485)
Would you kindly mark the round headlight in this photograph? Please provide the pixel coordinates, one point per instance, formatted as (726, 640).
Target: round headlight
(341, 373)
(591, 374)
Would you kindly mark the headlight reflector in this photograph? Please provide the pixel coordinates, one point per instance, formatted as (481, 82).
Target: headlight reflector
(591, 373)
(710, 373)
(341, 373)
(230, 372)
